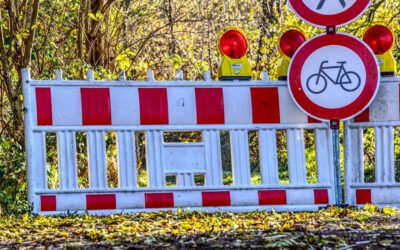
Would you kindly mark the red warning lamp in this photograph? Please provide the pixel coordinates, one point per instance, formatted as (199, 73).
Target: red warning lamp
(381, 40)
(289, 43)
(233, 44)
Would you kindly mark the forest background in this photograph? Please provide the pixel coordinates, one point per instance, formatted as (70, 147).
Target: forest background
(163, 35)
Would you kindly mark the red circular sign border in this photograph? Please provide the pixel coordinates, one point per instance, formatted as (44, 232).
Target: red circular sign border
(357, 106)
(321, 20)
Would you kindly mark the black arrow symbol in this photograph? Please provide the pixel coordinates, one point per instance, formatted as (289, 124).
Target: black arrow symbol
(322, 2)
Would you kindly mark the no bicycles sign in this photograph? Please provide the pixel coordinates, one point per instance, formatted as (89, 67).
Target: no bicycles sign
(329, 12)
(333, 77)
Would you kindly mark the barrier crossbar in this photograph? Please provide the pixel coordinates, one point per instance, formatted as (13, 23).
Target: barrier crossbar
(125, 107)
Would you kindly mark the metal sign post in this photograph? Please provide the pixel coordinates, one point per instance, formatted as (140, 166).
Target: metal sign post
(335, 76)
(335, 125)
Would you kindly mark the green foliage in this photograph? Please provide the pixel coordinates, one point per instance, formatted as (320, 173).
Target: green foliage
(13, 185)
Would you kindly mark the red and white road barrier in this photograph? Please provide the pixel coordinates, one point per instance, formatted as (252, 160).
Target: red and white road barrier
(125, 107)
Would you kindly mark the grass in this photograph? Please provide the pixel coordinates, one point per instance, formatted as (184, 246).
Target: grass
(332, 228)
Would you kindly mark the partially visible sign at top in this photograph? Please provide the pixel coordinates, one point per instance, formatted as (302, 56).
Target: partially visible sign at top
(324, 13)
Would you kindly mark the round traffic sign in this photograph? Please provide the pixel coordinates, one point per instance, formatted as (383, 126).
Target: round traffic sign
(329, 12)
(333, 77)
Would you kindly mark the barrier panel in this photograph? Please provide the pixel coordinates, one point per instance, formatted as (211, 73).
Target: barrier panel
(383, 117)
(126, 107)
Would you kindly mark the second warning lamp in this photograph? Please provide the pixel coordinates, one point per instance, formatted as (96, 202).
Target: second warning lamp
(381, 40)
(289, 42)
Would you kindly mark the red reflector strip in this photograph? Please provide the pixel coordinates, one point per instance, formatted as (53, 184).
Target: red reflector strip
(100, 201)
(215, 199)
(43, 106)
(272, 197)
(363, 117)
(210, 106)
(363, 196)
(96, 106)
(48, 203)
(265, 105)
(321, 196)
(153, 104)
(159, 200)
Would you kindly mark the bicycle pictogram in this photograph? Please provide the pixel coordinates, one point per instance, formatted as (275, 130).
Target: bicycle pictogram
(348, 80)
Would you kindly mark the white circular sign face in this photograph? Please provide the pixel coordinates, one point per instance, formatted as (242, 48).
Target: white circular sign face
(333, 77)
(329, 7)
(323, 13)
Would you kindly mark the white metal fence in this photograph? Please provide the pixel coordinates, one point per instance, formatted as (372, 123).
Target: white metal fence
(127, 107)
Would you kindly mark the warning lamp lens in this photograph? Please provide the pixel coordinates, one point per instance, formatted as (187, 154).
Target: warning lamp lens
(290, 41)
(233, 44)
(379, 38)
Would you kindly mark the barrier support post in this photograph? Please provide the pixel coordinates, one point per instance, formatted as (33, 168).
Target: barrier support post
(335, 125)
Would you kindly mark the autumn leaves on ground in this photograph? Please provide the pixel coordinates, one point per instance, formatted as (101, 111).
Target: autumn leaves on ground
(332, 227)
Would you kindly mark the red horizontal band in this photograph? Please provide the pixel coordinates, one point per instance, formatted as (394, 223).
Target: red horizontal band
(265, 105)
(159, 200)
(210, 106)
(100, 201)
(153, 104)
(48, 203)
(321, 196)
(363, 196)
(96, 106)
(216, 198)
(43, 107)
(272, 197)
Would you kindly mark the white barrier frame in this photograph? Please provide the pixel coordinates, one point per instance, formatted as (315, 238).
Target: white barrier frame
(242, 195)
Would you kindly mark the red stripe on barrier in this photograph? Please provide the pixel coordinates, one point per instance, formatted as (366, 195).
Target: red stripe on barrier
(43, 106)
(101, 201)
(363, 117)
(153, 104)
(313, 120)
(272, 197)
(96, 106)
(321, 196)
(210, 106)
(159, 200)
(265, 105)
(216, 198)
(48, 203)
(363, 196)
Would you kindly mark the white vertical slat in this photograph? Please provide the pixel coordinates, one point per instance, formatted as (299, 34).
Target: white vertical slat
(240, 157)
(154, 140)
(126, 159)
(185, 180)
(66, 144)
(354, 160)
(97, 159)
(323, 153)
(296, 155)
(357, 147)
(268, 156)
(212, 144)
(39, 162)
(384, 155)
